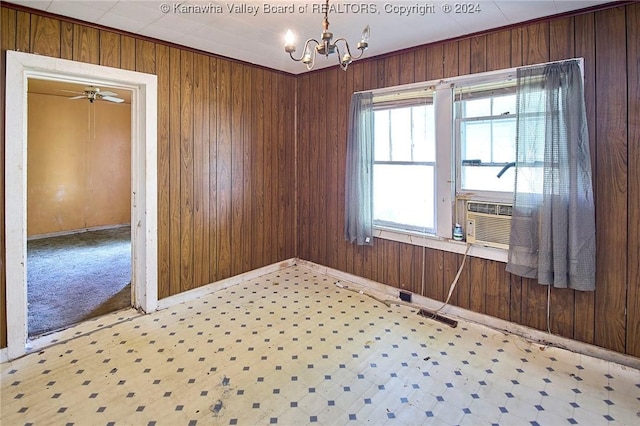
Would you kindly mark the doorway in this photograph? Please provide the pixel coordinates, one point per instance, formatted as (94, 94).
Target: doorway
(78, 203)
(21, 67)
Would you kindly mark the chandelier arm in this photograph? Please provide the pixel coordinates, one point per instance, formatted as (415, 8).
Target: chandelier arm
(343, 65)
(304, 50)
(346, 43)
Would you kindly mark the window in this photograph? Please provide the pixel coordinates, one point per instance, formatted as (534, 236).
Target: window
(404, 165)
(485, 130)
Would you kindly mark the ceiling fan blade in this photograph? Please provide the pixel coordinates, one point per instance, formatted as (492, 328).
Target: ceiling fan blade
(112, 99)
(107, 93)
(70, 91)
(79, 97)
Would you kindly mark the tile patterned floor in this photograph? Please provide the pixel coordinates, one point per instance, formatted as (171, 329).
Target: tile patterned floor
(293, 348)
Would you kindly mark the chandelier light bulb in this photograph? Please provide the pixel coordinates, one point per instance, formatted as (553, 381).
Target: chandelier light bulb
(366, 33)
(289, 42)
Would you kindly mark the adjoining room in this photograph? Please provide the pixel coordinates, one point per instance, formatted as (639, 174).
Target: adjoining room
(78, 203)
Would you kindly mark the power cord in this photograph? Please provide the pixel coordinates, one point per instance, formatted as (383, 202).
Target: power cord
(455, 280)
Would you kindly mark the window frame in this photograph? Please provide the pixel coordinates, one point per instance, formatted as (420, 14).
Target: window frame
(389, 102)
(475, 194)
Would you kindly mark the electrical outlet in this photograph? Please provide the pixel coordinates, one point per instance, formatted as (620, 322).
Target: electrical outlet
(405, 296)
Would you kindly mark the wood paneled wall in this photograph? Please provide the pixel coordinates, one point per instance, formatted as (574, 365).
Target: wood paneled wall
(226, 150)
(609, 41)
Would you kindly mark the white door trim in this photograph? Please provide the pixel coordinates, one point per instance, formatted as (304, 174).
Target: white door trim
(144, 203)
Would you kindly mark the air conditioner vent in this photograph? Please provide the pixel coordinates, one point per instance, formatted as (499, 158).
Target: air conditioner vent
(489, 224)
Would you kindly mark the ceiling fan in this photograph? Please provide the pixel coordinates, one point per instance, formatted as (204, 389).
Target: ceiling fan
(94, 93)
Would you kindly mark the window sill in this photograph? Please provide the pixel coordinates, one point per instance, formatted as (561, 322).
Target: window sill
(434, 242)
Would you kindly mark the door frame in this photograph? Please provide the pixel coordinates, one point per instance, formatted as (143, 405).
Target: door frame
(144, 196)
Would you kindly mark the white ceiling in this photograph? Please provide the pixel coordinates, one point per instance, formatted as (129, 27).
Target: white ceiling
(259, 38)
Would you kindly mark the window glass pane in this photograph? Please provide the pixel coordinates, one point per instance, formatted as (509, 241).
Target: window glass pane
(504, 105)
(401, 134)
(477, 107)
(487, 142)
(381, 129)
(476, 140)
(424, 133)
(404, 195)
(475, 178)
(504, 140)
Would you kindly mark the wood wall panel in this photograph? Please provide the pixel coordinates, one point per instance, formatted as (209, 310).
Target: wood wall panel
(584, 45)
(420, 65)
(343, 100)
(611, 162)
(247, 211)
(23, 31)
(213, 170)
(237, 170)
(109, 49)
(450, 59)
(226, 160)
(561, 46)
(257, 149)
(66, 40)
(175, 256)
(270, 124)
(164, 153)
(332, 171)
(435, 63)
(431, 279)
(86, 44)
(224, 206)
(45, 36)
(633, 254)
(478, 283)
(186, 172)
(498, 50)
(478, 46)
(407, 68)
(484, 285)
(303, 149)
(201, 91)
(145, 54)
(127, 53)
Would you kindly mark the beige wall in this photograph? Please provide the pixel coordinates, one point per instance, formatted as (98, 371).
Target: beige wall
(78, 164)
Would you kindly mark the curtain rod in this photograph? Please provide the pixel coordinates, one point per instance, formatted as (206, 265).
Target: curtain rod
(508, 73)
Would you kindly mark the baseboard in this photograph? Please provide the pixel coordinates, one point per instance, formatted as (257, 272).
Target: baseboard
(223, 284)
(3, 355)
(384, 291)
(77, 231)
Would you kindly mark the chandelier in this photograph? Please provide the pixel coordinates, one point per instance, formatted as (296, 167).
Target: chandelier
(326, 46)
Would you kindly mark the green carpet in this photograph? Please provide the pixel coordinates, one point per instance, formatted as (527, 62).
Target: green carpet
(75, 277)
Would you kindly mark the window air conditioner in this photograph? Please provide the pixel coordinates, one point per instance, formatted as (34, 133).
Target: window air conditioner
(489, 224)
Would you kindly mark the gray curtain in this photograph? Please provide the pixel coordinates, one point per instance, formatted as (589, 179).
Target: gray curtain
(358, 214)
(553, 224)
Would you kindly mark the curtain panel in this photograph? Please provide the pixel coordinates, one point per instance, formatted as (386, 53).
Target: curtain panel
(553, 224)
(358, 213)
